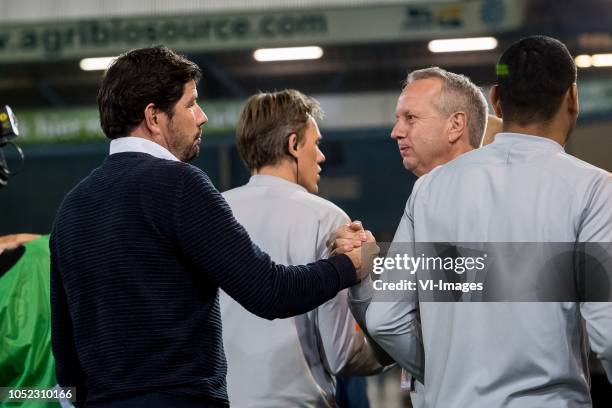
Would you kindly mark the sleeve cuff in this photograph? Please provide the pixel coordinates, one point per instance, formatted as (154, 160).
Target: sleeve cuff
(347, 275)
(361, 292)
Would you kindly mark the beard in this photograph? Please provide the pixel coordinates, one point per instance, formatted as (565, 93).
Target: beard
(193, 153)
(186, 147)
(189, 152)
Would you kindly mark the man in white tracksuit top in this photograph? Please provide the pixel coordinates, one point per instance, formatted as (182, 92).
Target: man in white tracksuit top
(287, 362)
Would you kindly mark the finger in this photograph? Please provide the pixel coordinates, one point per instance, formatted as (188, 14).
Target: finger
(358, 235)
(348, 241)
(346, 233)
(356, 225)
(331, 242)
(342, 249)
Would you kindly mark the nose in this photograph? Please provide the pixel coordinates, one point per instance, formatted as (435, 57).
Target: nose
(395, 134)
(320, 156)
(201, 118)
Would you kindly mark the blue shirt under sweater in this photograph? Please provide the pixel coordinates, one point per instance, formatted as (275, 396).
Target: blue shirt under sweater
(139, 249)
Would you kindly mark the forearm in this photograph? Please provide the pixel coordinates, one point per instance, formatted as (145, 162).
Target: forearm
(359, 299)
(394, 327)
(295, 290)
(218, 246)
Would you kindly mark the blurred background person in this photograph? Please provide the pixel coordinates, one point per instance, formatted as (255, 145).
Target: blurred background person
(25, 321)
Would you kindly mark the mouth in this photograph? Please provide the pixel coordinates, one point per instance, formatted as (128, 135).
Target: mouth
(404, 150)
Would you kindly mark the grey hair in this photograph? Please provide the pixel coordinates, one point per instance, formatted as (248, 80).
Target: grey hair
(458, 94)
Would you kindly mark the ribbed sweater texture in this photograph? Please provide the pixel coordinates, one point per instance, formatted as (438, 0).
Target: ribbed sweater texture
(139, 249)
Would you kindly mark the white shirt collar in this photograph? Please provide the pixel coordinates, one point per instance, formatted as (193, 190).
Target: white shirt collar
(273, 181)
(522, 137)
(140, 145)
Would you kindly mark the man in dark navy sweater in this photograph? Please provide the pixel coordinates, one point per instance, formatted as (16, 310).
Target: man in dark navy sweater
(141, 246)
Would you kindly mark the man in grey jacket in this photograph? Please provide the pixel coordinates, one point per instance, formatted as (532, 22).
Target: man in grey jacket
(439, 116)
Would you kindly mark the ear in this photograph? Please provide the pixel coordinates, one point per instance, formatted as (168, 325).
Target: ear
(572, 95)
(494, 96)
(457, 126)
(152, 118)
(292, 145)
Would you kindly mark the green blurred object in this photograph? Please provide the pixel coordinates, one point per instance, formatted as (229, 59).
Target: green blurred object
(25, 324)
(501, 70)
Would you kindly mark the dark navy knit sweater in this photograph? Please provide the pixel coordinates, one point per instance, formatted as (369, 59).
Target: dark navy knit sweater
(138, 251)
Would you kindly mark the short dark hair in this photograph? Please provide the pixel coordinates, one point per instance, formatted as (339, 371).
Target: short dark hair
(533, 74)
(266, 121)
(146, 75)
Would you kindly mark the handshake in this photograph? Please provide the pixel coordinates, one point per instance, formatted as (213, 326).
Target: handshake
(356, 243)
